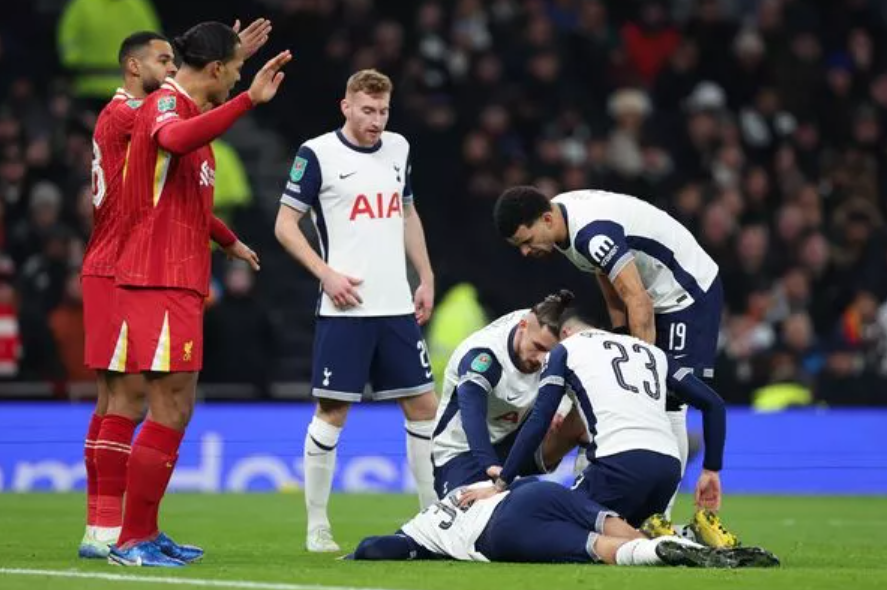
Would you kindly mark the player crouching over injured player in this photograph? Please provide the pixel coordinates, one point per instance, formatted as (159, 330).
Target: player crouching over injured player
(542, 522)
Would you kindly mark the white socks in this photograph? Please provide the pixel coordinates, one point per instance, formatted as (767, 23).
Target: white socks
(107, 535)
(319, 466)
(640, 552)
(419, 456)
(679, 428)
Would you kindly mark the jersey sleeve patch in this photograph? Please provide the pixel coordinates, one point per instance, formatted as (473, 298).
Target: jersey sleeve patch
(479, 365)
(166, 104)
(481, 362)
(604, 244)
(298, 169)
(167, 108)
(303, 184)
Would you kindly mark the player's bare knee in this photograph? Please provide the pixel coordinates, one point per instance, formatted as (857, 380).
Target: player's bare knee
(420, 407)
(171, 398)
(127, 396)
(332, 411)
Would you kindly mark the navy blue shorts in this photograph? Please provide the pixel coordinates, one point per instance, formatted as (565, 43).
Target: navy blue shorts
(389, 353)
(635, 484)
(691, 335)
(463, 470)
(543, 522)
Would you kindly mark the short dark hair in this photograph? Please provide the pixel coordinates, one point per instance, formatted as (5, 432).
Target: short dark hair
(135, 42)
(205, 43)
(549, 310)
(517, 206)
(572, 313)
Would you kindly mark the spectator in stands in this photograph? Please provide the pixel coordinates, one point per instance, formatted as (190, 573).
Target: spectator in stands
(763, 131)
(240, 341)
(66, 324)
(89, 36)
(10, 335)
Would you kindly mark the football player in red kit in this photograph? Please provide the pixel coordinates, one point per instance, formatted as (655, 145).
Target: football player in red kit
(163, 268)
(146, 59)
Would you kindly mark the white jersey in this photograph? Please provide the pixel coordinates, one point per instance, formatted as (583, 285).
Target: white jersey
(447, 529)
(619, 384)
(486, 358)
(356, 197)
(608, 230)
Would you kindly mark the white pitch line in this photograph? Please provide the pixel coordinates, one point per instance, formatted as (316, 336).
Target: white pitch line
(176, 581)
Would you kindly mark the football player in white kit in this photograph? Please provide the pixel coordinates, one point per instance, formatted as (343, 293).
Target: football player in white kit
(658, 282)
(541, 522)
(355, 181)
(490, 385)
(618, 382)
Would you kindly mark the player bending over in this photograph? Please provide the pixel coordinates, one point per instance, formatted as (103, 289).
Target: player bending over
(542, 522)
(659, 284)
(618, 382)
(491, 383)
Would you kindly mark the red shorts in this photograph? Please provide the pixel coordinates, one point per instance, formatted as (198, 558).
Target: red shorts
(98, 320)
(159, 330)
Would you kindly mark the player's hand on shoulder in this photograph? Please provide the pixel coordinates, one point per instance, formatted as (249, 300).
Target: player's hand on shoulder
(708, 490)
(240, 251)
(254, 36)
(341, 289)
(424, 302)
(267, 81)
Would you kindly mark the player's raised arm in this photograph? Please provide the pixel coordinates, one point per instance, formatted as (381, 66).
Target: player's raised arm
(180, 136)
(254, 36)
(695, 392)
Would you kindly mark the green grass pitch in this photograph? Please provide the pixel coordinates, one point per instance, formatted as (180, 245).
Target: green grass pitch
(824, 542)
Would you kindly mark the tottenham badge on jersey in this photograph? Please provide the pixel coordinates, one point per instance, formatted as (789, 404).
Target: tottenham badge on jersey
(166, 104)
(298, 169)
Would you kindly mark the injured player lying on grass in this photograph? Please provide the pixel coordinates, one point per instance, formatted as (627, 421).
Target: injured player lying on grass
(542, 522)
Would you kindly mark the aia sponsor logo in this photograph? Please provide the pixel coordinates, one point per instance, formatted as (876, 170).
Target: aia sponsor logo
(378, 207)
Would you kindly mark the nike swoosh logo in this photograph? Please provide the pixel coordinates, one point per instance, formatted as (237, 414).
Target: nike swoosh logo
(678, 356)
(511, 399)
(428, 374)
(315, 454)
(344, 176)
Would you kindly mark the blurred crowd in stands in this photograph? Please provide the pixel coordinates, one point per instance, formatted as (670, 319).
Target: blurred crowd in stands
(759, 124)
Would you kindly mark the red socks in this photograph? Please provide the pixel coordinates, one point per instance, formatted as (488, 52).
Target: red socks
(154, 455)
(112, 450)
(92, 434)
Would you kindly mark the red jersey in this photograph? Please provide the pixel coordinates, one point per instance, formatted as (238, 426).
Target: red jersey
(109, 147)
(168, 200)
